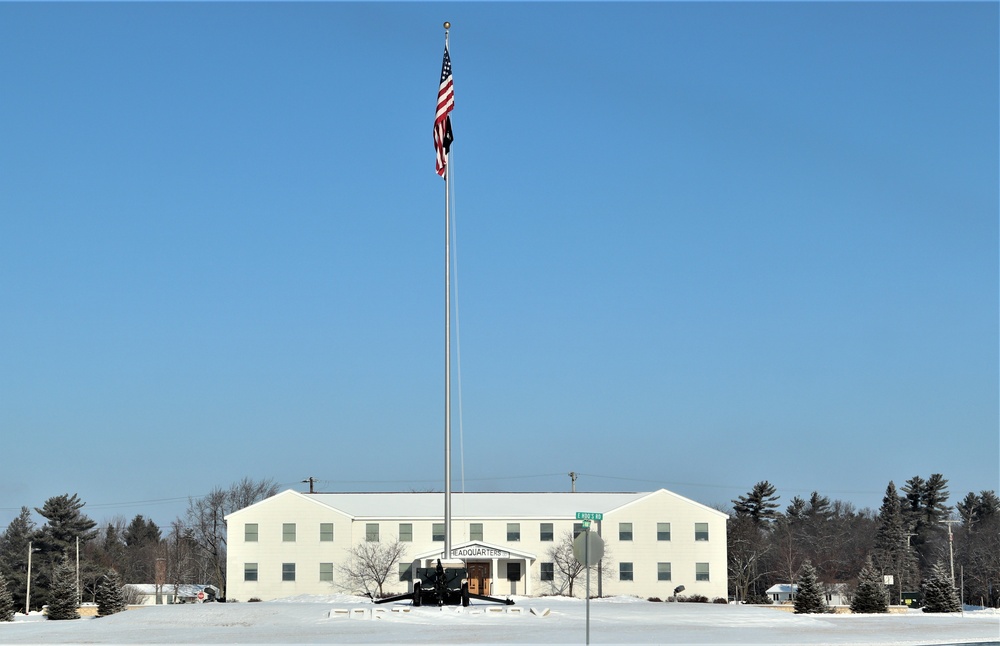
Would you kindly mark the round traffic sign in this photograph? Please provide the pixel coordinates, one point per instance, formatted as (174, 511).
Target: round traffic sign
(588, 548)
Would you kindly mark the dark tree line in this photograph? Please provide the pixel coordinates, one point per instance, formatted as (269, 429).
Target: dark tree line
(191, 550)
(907, 539)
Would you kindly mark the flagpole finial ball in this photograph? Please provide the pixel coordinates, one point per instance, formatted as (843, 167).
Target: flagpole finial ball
(447, 25)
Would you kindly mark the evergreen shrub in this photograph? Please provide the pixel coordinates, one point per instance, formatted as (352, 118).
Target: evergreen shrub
(809, 597)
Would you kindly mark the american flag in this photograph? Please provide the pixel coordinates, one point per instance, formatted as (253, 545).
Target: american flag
(442, 122)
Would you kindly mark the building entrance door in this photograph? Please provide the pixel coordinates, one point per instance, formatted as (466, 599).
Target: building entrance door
(479, 577)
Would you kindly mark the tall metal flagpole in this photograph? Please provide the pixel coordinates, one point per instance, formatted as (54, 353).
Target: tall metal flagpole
(447, 349)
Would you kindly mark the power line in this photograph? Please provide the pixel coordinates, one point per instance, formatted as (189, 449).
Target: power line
(412, 481)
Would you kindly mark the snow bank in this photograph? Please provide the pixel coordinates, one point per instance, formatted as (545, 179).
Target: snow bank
(618, 620)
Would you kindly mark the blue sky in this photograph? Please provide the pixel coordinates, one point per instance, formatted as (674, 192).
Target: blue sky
(698, 246)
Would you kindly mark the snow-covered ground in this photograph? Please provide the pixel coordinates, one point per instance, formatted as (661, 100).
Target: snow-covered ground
(620, 620)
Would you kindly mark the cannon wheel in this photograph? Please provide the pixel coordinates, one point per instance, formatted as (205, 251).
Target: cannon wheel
(465, 594)
(416, 593)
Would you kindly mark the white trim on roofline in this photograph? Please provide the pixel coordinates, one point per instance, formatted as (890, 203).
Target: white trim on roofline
(287, 492)
(673, 495)
(589, 499)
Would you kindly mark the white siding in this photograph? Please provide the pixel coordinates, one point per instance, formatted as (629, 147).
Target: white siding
(644, 511)
(269, 552)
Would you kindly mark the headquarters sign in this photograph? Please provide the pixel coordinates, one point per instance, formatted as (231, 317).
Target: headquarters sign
(480, 551)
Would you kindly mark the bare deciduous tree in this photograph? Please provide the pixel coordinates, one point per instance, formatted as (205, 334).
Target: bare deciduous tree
(566, 568)
(180, 550)
(564, 565)
(748, 545)
(369, 566)
(206, 520)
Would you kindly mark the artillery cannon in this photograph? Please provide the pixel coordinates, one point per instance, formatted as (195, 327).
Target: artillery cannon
(441, 586)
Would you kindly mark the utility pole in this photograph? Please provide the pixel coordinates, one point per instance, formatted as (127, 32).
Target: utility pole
(572, 477)
(310, 480)
(27, 592)
(951, 548)
(906, 556)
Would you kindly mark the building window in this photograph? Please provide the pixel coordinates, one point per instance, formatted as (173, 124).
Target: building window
(548, 572)
(624, 531)
(475, 531)
(250, 532)
(513, 532)
(513, 571)
(371, 532)
(288, 532)
(326, 571)
(326, 532)
(406, 533)
(663, 531)
(701, 531)
(437, 532)
(287, 571)
(249, 571)
(545, 532)
(662, 571)
(701, 572)
(577, 529)
(406, 571)
(624, 571)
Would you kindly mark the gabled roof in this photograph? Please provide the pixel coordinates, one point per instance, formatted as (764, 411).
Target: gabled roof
(474, 505)
(283, 494)
(471, 506)
(783, 588)
(671, 494)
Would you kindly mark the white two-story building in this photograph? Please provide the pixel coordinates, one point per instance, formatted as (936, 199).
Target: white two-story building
(292, 543)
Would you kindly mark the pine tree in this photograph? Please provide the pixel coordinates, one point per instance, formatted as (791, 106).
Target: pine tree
(110, 595)
(141, 531)
(935, 497)
(63, 603)
(14, 554)
(759, 504)
(65, 524)
(809, 597)
(870, 596)
(939, 592)
(6, 601)
(924, 508)
(892, 553)
(142, 544)
(977, 547)
(976, 509)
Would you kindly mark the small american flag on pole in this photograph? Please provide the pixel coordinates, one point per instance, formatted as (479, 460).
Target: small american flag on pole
(442, 122)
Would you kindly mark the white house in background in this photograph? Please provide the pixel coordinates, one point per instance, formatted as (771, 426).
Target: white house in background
(168, 593)
(292, 543)
(836, 594)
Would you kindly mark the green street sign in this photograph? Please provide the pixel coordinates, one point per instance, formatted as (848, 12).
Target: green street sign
(589, 515)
